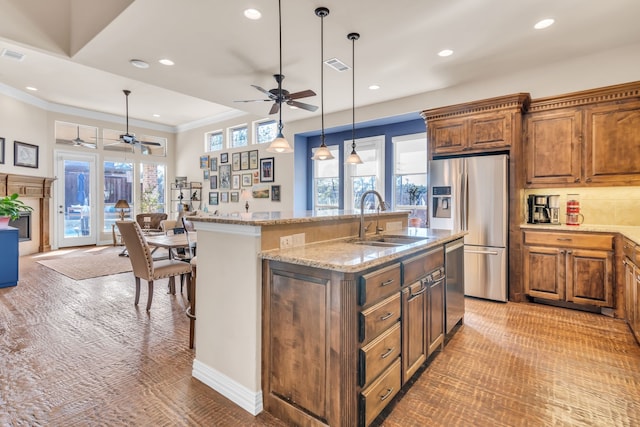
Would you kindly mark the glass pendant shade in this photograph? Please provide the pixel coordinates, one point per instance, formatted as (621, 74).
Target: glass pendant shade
(280, 145)
(322, 153)
(354, 158)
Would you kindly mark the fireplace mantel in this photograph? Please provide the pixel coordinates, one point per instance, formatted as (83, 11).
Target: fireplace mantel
(37, 187)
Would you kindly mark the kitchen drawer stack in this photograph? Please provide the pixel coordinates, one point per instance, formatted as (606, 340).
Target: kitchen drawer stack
(379, 365)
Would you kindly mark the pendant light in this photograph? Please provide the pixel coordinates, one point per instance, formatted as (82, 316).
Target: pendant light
(322, 153)
(354, 158)
(280, 144)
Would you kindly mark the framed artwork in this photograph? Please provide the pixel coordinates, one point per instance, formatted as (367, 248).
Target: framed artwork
(224, 157)
(235, 182)
(224, 197)
(224, 181)
(204, 162)
(205, 174)
(266, 169)
(25, 154)
(275, 193)
(213, 182)
(181, 181)
(256, 177)
(244, 160)
(253, 159)
(213, 197)
(246, 180)
(213, 164)
(2, 151)
(235, 197)
(260, 191)
(235, 161)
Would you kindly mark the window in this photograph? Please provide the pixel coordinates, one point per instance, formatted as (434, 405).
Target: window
(118, 185)
(326, 181)
(152, 149)
(152, 187)
(214, 141)
(367, 176)
(238, 137)
(266, 131)
(76, 135)
(111, 141)
(410, 175)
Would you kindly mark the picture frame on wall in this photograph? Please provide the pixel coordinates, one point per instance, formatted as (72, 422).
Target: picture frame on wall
(246, 180)
(25, 155)
(180, 181)
(204, 162)
(224, 182)
(275, 193)
(235, 182)
(213, 182)
(235, 197)
(244, 160)
(1, 151)
(213, 197)
(267, 169)
(224, 157)
(213, 164)
(235, 161)
(224, 197)
(205, 174)
(253, 159)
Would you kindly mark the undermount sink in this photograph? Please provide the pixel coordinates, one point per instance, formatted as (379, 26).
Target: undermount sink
(390, 241)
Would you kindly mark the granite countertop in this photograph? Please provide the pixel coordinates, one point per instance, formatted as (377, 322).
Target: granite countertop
(277, 217)
(629, 231)
(344, 256)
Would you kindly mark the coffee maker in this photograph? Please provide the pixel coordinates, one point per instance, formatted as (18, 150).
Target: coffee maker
(538, 209)
(553, 203)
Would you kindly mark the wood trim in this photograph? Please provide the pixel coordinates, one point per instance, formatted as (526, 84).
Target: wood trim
(518, 102)
(606, 94)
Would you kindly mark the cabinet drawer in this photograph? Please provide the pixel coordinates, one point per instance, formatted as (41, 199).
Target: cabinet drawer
(378, 354)
(379, 284)
(417, 267)
(381, 316)
(375, 397)
(570, 240)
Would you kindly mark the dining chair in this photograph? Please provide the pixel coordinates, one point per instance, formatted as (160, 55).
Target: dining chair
(187, 253)
(143, 264)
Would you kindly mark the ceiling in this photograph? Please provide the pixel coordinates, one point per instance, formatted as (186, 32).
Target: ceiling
(77, 52)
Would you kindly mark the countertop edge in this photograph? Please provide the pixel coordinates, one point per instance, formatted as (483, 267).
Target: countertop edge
(629, 231)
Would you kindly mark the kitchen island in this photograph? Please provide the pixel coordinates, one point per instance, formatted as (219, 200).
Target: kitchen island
(234, 256)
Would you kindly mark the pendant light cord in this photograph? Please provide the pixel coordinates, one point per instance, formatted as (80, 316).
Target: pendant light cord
(280, 52)
(322, 78)
(353, 90)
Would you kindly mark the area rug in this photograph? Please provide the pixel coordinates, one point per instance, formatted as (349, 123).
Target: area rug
(80, 264)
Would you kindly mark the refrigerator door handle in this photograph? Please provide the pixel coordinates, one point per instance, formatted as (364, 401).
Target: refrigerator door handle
(464, 199)
(468, 251)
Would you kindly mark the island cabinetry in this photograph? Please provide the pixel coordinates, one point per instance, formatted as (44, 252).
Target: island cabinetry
(584, 138)
(632, 286)
(574, 267)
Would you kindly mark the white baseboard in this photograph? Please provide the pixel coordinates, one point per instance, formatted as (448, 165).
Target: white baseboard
(248, 400)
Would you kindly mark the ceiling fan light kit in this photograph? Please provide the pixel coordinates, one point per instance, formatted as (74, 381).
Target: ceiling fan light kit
(322, 153)
(354, 158)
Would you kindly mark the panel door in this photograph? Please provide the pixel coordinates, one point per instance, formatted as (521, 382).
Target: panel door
(414, 328)
(629, 292)
(490, 131)
(544, 272)
(590, 277)
(436, 314)
(448, 136)
(553, 150)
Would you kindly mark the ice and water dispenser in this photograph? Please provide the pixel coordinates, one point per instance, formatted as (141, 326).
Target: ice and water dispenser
(441, 197)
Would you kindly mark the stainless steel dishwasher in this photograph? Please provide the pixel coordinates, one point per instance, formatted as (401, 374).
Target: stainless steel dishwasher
(454, 272)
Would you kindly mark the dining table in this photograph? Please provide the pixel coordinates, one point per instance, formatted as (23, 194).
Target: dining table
(172, 241)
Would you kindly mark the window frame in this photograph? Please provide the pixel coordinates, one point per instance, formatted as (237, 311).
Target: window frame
(335, 151)
(376, 142)
(207, 141)
(230, 132)
(420, 211)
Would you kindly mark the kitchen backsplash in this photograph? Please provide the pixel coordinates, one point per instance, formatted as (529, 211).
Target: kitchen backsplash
(599, 205)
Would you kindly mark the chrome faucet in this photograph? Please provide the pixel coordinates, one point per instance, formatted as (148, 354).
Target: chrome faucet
(382, 207)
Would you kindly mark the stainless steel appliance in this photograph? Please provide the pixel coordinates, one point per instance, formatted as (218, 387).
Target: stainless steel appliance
(553, 202)
(478, 203)
(454, 283)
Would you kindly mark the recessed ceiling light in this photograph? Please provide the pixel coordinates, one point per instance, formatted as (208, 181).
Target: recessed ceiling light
(252, 14)
(166, 61)
(544, 23)
(156, 115)
(31, 88)
(139, 63)
(445, 52)
(374, 87)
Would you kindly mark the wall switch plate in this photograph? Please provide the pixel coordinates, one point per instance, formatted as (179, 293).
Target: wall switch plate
(394, 225)
(286, 242)
(298, 240)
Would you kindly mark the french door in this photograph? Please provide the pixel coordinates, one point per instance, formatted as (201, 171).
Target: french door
(76, 202)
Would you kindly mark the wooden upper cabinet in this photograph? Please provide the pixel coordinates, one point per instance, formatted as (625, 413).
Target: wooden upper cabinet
(584, 138)
(475, 127)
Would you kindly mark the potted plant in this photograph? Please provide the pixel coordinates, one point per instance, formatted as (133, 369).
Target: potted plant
(10, 208)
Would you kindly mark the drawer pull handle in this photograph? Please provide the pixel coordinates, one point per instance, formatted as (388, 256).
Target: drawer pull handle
(387, 353)
(387, 394)
(417, 294)
(386, 282)
(564, 239)
(386, 316)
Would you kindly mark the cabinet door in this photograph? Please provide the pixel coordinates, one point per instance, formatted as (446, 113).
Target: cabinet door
(590, 277)
(612, 144)
(448, 136)
(490, 131)
(436, 314)
(636, 301)
(553, 150)
(414, 328)
(544, 272)
(629, 292)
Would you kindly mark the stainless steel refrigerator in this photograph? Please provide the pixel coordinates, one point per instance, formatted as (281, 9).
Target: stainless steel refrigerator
(471, 193)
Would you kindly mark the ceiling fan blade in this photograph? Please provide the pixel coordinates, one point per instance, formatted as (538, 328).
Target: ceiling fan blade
(275, 108)
(302, 105)
(301, 94)
(266, 92)
(255, 100)
(150, 143)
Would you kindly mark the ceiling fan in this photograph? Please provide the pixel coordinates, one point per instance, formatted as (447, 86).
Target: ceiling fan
(280, 96)
(127, 138)
(77, 141)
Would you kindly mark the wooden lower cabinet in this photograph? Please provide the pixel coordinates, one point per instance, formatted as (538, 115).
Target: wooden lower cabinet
(436, 313)
(571, 267)
(415, 328)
